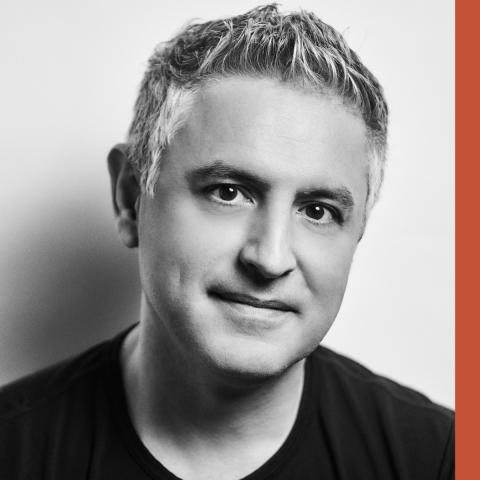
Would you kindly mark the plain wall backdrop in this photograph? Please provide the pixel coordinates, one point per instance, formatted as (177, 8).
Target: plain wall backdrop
(69, 77)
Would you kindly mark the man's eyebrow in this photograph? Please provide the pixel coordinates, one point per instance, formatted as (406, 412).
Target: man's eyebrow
(221, 170)
(342, 195)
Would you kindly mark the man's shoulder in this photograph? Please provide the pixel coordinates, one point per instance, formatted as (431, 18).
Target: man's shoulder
(353, 378)
(374, 417)
(45, 389)
(52, 417)
(402, 429)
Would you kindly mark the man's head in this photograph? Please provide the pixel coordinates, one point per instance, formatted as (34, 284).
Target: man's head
(254, 175)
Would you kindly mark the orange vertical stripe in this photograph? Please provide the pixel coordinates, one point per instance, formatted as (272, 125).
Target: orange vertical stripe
(467, 23)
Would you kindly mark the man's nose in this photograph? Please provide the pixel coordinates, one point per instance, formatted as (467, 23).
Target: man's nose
(268, 252)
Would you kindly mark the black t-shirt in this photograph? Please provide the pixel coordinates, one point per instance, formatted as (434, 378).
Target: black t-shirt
(71, 421)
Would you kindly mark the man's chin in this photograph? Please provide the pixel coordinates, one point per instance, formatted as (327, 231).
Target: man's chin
(251, 364)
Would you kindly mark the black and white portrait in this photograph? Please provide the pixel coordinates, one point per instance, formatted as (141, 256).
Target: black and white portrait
(229, 241)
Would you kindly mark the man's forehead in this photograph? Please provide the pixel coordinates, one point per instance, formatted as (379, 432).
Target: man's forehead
(265, 98)
(262, 126)
(262, 105)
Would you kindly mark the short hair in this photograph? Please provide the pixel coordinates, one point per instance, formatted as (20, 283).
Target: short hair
(295, 48)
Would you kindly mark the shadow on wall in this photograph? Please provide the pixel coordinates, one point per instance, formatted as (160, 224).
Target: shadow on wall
(64, 286)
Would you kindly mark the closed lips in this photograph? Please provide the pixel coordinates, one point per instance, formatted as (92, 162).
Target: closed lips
(252, 301)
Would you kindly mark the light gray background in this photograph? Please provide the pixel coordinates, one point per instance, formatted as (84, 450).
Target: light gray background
(70, 71)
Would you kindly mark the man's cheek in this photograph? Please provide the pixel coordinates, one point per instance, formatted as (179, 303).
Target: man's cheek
(208, 235)
(325, 261)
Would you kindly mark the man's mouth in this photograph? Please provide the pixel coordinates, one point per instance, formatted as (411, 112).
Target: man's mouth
(245, 299)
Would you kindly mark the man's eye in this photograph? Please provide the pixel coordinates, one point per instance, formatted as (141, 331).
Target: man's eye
(318, 213)
(228, 194)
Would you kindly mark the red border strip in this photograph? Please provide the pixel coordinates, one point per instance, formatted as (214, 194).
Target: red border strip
(467, 24)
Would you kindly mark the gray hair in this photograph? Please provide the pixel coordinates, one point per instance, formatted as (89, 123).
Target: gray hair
(295, 48)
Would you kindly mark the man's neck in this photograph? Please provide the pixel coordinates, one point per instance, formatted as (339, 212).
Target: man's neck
(197, 425)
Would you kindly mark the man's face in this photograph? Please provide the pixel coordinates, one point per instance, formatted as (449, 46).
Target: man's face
(246, 247)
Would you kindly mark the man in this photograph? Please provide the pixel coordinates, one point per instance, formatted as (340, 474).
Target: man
(254, 158)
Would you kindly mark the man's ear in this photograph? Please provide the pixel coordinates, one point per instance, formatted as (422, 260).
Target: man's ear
(125, 194)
